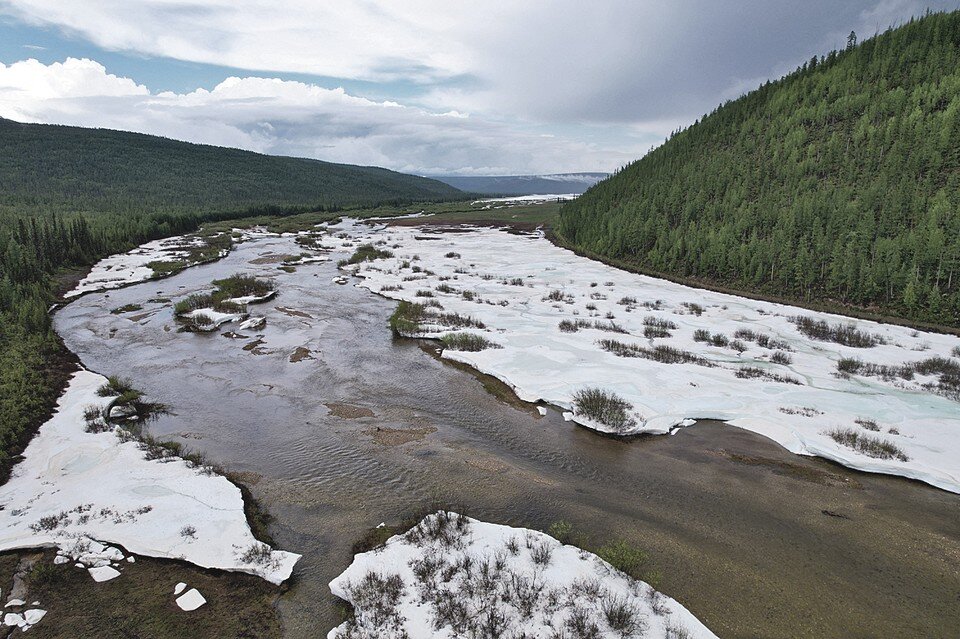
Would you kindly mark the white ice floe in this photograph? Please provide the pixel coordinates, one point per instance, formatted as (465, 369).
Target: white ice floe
(254, 323)
(74, 487)
(14, 619)
(451, 575)
(15, 602)
(542, 410)
(191, 600)
(252, 299)
(521, 287)
(126, 268)
(34, 615)
(217, 319)
(103, 573)
(179, 588)
(525, 199)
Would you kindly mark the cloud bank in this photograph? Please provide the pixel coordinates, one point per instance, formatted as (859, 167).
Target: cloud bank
(285, 117)
(602, 80)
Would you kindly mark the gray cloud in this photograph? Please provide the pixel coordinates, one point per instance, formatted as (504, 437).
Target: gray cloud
(635, 68)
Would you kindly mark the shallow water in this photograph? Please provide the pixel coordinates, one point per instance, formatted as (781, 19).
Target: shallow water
(735, 525)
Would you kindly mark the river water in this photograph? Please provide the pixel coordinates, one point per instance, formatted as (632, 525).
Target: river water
(367, 428)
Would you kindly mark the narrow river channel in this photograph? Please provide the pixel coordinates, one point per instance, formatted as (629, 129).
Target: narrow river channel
(365, 428)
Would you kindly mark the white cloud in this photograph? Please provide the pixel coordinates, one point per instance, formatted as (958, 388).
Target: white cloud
(543, 66)
(291, 118)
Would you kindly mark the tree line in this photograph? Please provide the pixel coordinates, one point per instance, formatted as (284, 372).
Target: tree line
(70, 196)
(839, 182)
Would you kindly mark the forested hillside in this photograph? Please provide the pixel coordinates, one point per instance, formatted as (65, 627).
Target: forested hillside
(839, 183)
(60, 168)
(69, 196)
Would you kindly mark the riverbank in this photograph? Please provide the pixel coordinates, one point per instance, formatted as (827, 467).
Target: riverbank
(558, 325)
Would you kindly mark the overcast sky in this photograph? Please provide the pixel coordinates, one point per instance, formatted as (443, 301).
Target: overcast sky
(423, 86)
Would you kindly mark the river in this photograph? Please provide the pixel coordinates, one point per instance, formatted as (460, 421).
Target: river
(755, 541)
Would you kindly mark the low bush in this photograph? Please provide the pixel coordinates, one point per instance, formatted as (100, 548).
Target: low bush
(623, 617)
(844, 334)
(654, 332)
(867, 444)
(115, 386)
(407, 318)
(752, 372)
(240, 285)
(367, 253)
(781, 358)
(624, 557)
(658, 322)
(661, 353)
(605, 408)
(470, 342)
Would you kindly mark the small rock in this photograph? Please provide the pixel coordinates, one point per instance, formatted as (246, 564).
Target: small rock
(191, 600)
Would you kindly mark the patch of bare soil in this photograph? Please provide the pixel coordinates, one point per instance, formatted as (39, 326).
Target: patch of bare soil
(796, 470)
(386, 436)
(140, 602)
(254, 347)
(272, 258)
(301, 353)
(292, 312)
(348, 411)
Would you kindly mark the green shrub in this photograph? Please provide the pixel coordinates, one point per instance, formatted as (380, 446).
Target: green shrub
(470, 342)
(368, 253)
(867, 444)
(605, 408)
(624, 557)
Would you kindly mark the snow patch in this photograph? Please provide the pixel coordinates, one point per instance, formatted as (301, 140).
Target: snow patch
(191, 600)
(74, 487)
(450, 574)
(521, 287)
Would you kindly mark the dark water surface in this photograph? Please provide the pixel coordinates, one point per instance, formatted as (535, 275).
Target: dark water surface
(757, 542)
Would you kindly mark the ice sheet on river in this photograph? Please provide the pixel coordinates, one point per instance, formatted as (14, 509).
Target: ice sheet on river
(73, 486)
(523, 286)
(126, 268)
(453, 579)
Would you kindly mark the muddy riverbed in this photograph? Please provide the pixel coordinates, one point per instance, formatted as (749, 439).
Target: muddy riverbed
(337, 426)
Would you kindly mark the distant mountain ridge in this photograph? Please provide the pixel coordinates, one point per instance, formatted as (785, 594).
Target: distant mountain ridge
(551, 184)
(837, 185)
(74, 169)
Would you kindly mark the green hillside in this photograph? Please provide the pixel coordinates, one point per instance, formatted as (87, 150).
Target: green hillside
(837, 185)
(69, 196)
(46, 168)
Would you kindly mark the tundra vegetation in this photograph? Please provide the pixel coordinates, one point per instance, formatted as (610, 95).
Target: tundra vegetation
(470, 581)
